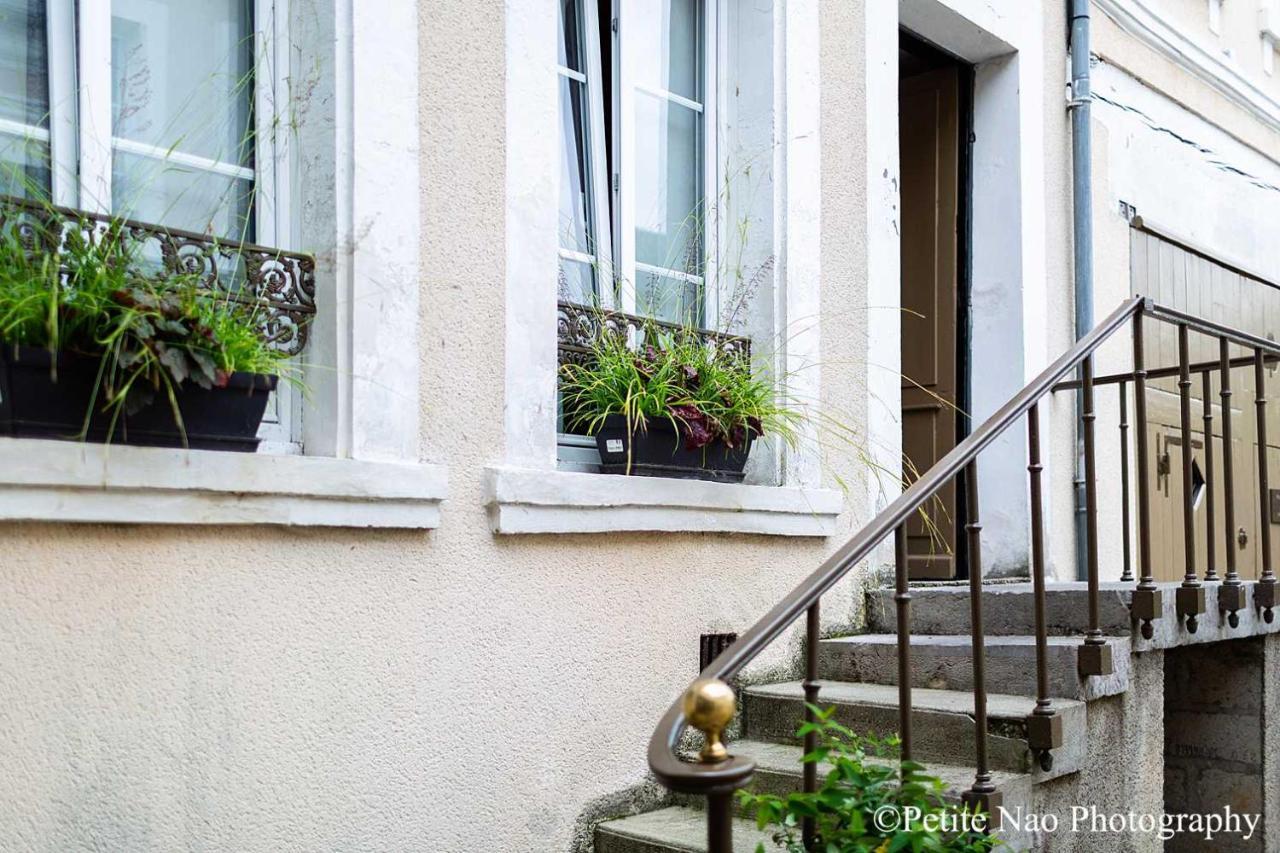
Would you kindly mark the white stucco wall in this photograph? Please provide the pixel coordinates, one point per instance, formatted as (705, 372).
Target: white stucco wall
(274, 688)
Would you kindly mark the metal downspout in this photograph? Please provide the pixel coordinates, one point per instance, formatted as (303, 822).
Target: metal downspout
(1082, 220)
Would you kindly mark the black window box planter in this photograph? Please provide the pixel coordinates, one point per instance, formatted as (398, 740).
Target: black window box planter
(658, 450)
(33, 404)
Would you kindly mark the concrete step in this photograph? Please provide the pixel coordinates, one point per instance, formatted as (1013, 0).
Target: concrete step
(779, 771)
(946, 663)
(942, 722)
(675, 829)
(1008, 609)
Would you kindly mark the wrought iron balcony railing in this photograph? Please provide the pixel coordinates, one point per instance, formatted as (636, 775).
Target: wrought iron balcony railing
(280, 284)
(579, 326)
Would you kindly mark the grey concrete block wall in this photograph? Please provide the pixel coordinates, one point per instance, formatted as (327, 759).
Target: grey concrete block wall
(1271, 741)
(1123, 767)
(1213, 737)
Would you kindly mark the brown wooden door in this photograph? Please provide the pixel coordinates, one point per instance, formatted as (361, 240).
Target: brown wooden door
(929, 132)
(1164, 437)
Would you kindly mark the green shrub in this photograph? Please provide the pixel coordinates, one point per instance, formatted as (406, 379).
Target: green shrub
(866, 805)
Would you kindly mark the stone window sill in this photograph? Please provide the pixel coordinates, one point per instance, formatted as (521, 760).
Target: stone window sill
(67, 481)
(522, 500)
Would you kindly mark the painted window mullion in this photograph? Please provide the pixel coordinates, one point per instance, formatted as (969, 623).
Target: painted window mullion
(60, 26)
(625, 158)
(712, 226)
(94, 76)
(271, 143)
(272, 190)
(600, 183)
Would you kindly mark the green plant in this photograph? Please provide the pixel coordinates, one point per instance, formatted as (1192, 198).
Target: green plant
(707, 392)
(865, 805)
(72, 288)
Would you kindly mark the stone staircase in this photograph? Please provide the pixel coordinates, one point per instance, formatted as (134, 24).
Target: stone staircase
(859, 676)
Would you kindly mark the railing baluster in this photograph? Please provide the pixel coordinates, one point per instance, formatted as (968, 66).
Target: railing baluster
(708, 706)
(1044, 726)
(720, 822)
(811, 686)
(902, 600)
(1231, 595)
(983, 796)
(1264, 591)
(1126, 576)
(1147, 603)
(1190, 595)
(1210, 570)
(1094, 654)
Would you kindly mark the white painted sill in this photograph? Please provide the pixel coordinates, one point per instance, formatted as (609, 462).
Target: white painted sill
(68, 481)
(522, 500)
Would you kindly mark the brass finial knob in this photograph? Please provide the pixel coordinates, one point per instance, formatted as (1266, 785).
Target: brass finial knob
(709, 705)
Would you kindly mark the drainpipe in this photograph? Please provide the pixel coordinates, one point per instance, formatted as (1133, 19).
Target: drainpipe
(1082, 216)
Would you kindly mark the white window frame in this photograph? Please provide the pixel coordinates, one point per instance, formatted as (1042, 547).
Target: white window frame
(618, 220)
(356, 161)
(82, 145)
(602, 259)
(525, 493)
(624, 89)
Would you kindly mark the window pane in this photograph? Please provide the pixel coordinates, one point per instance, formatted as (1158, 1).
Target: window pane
(182, 81)
(165, 192)
(668, 185)
(577, 282)
(571, 34)
(667, 39)
(24, 98)
(667, 298)
(24, 166)
(575, 201)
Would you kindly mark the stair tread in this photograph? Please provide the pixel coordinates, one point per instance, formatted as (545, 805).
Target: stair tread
(676, 828)
(784, 758)
(959, 640)
(922, 698)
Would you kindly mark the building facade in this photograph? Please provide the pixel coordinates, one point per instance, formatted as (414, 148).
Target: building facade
(419, 618)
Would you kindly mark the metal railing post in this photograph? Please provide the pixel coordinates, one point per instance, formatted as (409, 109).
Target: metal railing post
(1231, 595)
(813, 626)
(1264, 591)
(902, 602)
(1126, 575)
(1147, 603)
(982, 796)
(1190, 597)
(1210, 570)
(1094, 656)
(1044, 726)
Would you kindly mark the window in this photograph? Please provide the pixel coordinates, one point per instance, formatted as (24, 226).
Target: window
(24, 96)
(638, 155)
(157, 110)
(638, 161)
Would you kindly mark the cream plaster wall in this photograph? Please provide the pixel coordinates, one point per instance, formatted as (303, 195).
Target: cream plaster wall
(273, 689)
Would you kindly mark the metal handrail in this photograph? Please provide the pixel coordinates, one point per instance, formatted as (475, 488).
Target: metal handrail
(728, 775)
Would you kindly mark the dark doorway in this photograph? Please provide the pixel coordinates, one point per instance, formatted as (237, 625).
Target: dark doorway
(935, 94)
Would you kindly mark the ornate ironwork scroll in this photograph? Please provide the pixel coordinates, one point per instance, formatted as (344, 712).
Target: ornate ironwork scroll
(579, 326)
(280, 285)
